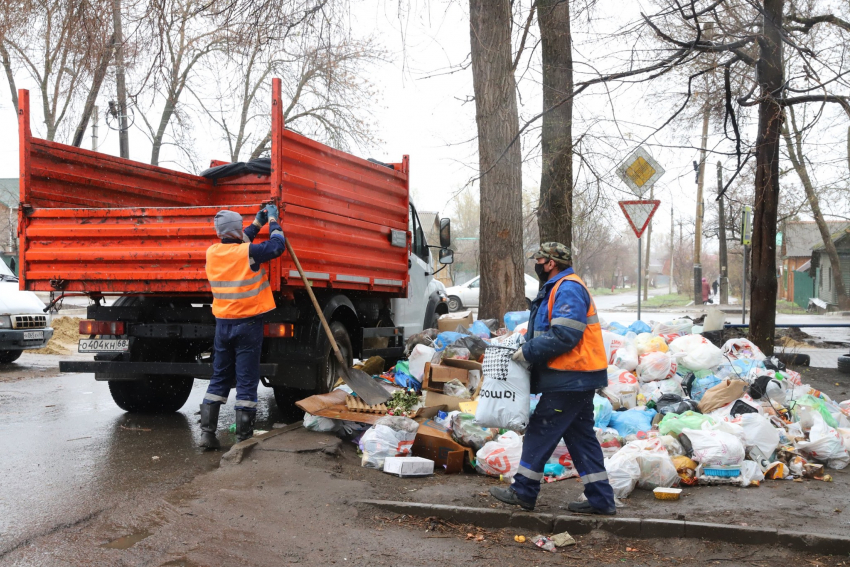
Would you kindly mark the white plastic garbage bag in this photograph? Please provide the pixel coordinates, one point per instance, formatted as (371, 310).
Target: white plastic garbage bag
(655, 466)
(623, 475)
(500, 458)
(750, 471)
(715, 447)
(321, 424)
(420, 355)
(626, 358)
(699, 353)
(656, 366)
(759, 433)
(391, 436)
(612, 342)
(742, 348)
(654, 390)
(504, 399)
(646, 343)
(825, 444)
(678, 327)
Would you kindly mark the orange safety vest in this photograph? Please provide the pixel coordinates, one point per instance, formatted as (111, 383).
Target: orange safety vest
(589, 354)
(238, 291)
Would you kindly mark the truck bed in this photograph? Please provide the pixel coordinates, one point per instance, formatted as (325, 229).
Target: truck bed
(95, 223)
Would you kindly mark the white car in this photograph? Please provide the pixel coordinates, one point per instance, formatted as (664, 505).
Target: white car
(23, 322)
(466, 295)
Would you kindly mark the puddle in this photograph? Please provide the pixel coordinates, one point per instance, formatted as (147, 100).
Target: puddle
(127, 541)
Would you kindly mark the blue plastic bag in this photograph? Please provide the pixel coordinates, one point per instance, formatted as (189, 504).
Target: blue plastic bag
(514, 318)
(602, 410)
(701, 385)
(632, 421)
(639, 327)
(618, 328)
(446, 338)
(480, 329)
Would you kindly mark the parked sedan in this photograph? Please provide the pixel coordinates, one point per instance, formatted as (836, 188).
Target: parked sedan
(465, 296)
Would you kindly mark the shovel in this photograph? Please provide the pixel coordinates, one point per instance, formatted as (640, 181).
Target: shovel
(362, 384)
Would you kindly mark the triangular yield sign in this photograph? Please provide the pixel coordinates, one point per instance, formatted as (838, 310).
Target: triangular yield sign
(639, 213)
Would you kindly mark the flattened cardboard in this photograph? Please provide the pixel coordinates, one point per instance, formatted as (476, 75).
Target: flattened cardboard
(332, 406)
(433, 441)
(436, 375)
(450, 321)
(467, 364)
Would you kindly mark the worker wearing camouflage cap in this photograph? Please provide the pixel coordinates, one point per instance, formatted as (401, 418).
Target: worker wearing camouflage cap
(568, 363)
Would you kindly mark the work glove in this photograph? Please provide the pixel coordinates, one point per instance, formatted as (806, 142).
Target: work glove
(272, 213)
(518, 356)
(262, 218)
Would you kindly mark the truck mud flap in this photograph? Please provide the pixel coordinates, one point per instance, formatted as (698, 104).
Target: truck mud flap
(135, 370)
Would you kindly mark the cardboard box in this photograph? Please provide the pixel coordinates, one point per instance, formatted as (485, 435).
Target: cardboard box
(434, 442)
(467, 364)
(450, 321)
(409, 466)
(436, 375)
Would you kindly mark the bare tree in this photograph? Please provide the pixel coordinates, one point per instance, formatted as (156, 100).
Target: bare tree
(500, 160)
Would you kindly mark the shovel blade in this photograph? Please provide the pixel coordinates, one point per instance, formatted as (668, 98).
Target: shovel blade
(370, 391)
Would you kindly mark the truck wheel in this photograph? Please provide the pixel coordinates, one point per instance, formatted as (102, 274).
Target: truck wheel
(152, 394)
(844, 363)
(328, 370)
(455, 304)
(9, 356)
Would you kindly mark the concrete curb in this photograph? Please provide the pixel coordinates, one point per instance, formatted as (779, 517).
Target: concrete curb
(623, 527)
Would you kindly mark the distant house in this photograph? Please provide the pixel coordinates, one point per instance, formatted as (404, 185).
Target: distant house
(822, 268)
(799, 239)
(9, 199)
(431, 225)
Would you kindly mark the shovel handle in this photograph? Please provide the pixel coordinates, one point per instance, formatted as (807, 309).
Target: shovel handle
(315, 303)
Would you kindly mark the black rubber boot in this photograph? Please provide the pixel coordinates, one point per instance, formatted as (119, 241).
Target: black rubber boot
(245, 424)
(509, 496)
(209, 423)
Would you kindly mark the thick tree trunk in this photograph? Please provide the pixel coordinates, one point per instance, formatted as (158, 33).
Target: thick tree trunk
(763, 284)
(97, 81)
(502, 282)
(555, 209)
(795, 153)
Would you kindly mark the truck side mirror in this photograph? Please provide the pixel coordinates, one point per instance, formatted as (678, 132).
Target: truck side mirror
(447, 256)
(445, 235)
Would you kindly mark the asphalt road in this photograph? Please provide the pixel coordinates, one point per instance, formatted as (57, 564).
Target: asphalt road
(67, 452)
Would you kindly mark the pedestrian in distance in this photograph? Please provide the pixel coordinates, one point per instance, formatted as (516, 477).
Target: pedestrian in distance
(241, 295)
(714, 286)
(568, 363)
(705, 290)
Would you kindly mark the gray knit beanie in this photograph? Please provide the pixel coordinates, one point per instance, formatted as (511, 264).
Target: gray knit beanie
(228, 225)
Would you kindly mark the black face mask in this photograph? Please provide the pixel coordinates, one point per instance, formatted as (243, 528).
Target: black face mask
(542, 275)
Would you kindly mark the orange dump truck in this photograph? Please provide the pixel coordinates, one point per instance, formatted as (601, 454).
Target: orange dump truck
(133, 238)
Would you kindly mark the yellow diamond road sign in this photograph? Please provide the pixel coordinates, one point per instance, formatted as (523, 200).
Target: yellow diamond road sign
(640, 171)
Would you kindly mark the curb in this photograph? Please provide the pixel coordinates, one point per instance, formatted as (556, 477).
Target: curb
(623, 527)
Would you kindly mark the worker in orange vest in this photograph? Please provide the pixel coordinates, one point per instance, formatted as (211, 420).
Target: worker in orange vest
(568, 363)
(241, 295)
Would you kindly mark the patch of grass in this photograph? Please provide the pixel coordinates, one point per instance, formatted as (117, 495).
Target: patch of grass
(607, 290)
(789, 308)
(667, 300)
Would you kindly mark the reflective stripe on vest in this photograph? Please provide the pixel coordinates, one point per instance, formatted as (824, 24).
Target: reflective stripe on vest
(589, 354)
(238, 291)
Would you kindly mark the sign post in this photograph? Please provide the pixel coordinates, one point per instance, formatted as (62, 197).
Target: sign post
(638, 214)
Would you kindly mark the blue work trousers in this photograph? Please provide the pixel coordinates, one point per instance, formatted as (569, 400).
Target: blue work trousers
(238, 346)
(567, 416)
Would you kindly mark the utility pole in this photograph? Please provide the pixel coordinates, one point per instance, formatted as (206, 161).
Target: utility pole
(724, 259)
(94, 129)
(648, 242)
(123, 135)
(698, 233)
(672, 228)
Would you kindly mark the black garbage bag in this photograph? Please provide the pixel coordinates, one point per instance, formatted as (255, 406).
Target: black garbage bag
(688, 382)
(425, 337)
(740, 407)
(474, 344)
(672, 403)
(758, 388)
(774, 363)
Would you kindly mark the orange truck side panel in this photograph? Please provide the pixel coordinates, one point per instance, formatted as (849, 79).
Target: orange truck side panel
(99, 224)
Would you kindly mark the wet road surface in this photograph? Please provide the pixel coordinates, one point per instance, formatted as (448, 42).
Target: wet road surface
(67, 452)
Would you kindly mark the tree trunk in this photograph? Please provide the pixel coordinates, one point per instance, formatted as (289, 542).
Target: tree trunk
(502, 282)
(97, 81)
(763, 284)
(167, 113)
(795, 153)
(10, 75)
(555, 208)
(118, 35)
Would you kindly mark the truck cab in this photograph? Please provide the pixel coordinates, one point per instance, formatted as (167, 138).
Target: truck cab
(23, 323)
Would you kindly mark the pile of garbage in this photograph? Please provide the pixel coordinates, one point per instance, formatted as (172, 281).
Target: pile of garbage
(678, 410)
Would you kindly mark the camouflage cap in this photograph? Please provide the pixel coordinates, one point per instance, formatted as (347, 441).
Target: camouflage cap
(554, 251)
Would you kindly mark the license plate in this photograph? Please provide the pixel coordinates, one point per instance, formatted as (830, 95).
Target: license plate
(104, 345)
(33, 335)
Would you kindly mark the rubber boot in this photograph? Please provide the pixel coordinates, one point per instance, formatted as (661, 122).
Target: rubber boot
(245, 424)
(209, 423)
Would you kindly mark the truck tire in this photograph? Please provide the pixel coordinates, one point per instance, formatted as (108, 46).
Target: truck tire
(455, 304)
(151, 394)
(9, 356)
(844, 363)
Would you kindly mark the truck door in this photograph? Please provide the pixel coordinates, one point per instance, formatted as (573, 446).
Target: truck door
(409, 312)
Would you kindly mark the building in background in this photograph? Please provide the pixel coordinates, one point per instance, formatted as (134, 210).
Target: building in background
(822, 268)
(799, 239)
(9, 199)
